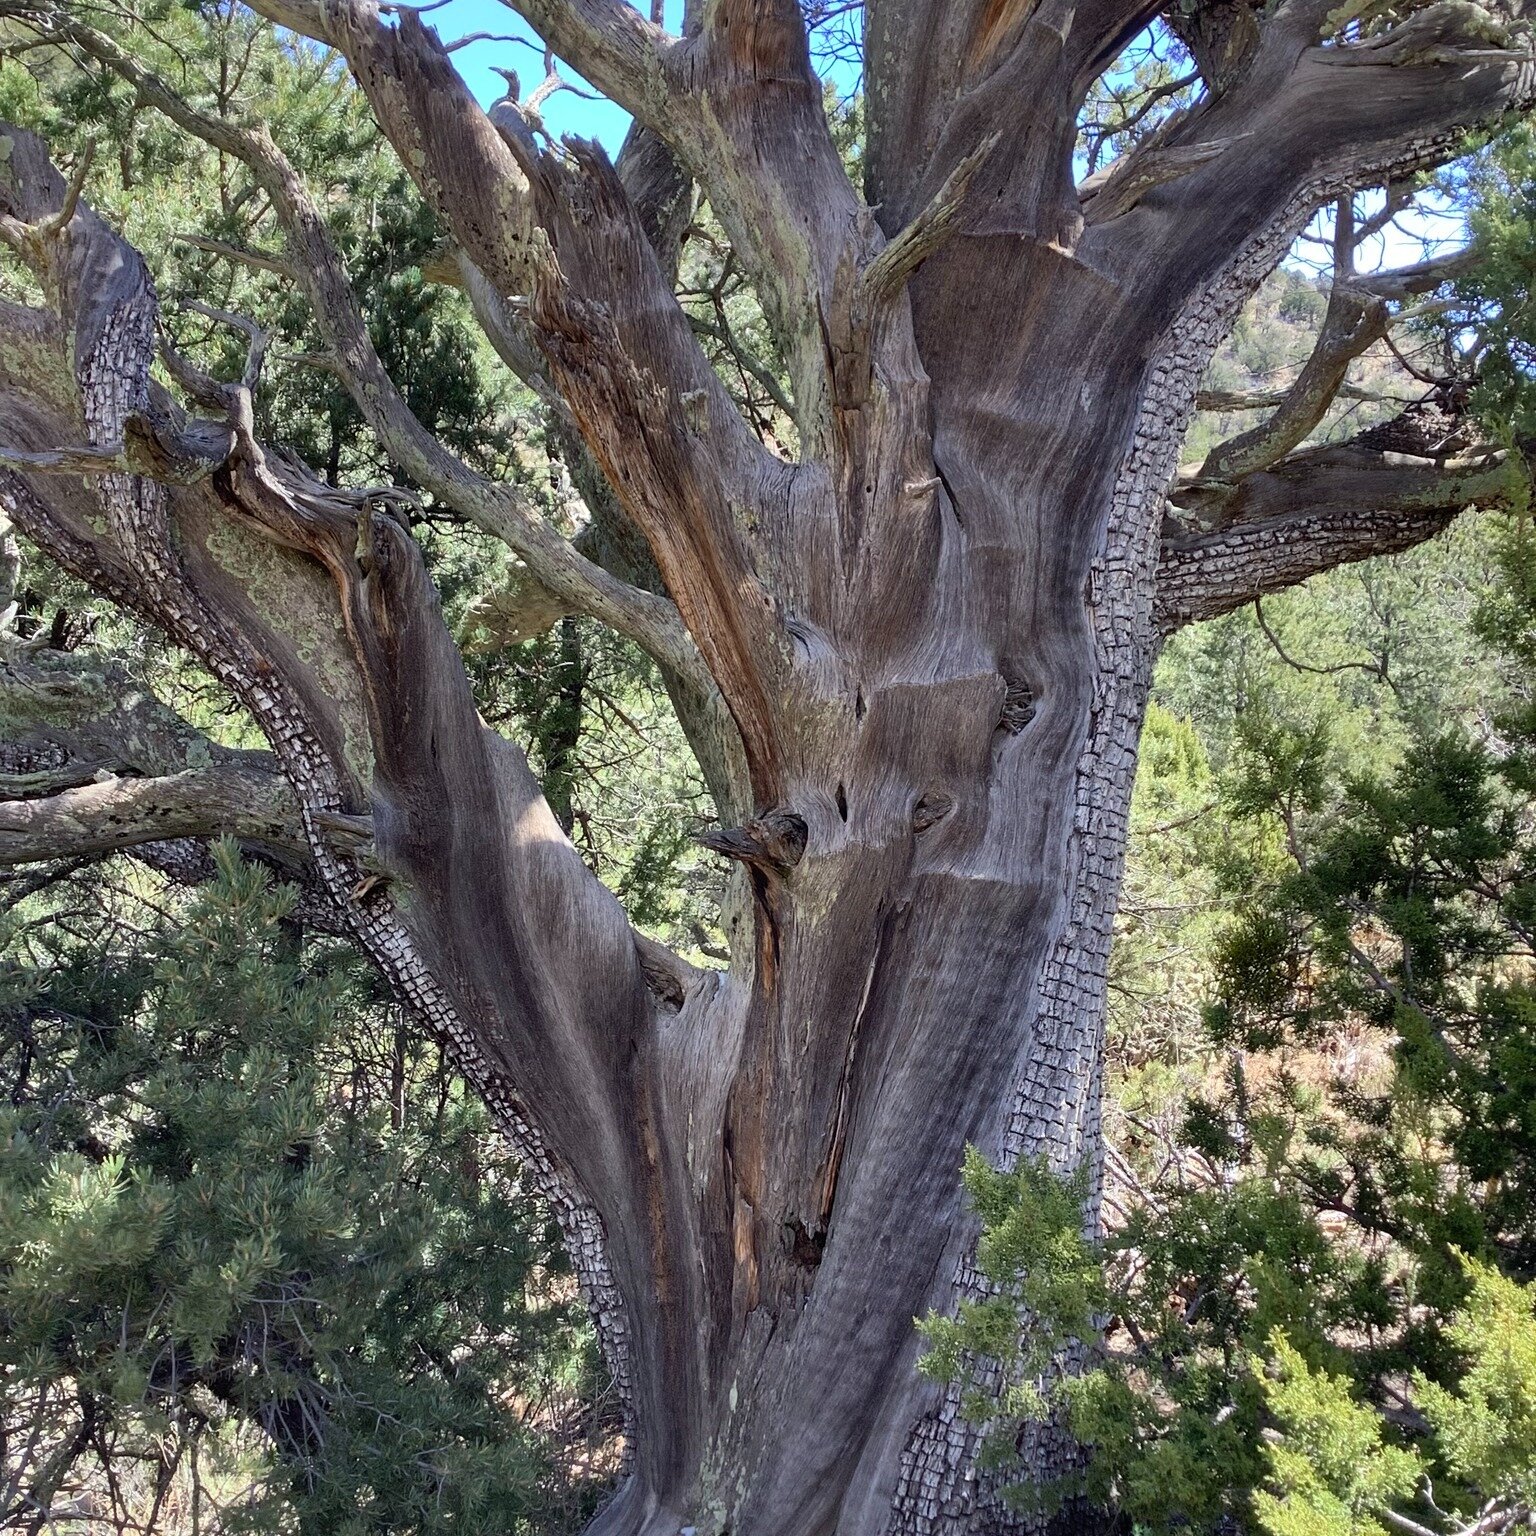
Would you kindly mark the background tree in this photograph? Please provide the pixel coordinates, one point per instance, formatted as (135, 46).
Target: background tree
(263, 1265)
(904, 584)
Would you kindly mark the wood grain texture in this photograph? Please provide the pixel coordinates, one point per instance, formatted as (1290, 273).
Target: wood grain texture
(917, 656)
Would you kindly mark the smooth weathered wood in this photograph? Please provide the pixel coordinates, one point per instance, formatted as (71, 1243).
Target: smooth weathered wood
(915, 659)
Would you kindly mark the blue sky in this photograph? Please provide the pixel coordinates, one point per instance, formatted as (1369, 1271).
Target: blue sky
(563, 113)
(515, 46)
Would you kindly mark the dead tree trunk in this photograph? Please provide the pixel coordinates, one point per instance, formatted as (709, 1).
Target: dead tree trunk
(917, 657)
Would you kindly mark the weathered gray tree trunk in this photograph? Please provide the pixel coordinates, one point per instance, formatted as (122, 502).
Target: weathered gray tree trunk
(916, 659)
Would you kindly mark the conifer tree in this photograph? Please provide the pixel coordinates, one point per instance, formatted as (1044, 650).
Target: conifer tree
(262, 1264)
(904, 579)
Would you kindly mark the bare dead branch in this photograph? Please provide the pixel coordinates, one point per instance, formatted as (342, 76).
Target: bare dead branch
(1377, 669)
(613, 45)
(886, 274)
(470, 38)
(1353, 323)
(257, 338)
(1222, 400)
(32, 240)
(1119, 187)
(83, 460)
(1319, 509)
(1405, 283)
(119, 813)
(262, 261)
(60, 221)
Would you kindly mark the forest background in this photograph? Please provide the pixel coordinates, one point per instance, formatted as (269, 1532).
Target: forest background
(264, 1265)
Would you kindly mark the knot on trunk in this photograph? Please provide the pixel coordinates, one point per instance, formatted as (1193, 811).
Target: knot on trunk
(806, 1247)
(930, 810)
(774, 841)
(1018, 707)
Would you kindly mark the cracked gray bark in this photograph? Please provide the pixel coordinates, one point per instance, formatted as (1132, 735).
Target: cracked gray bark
(932, 635)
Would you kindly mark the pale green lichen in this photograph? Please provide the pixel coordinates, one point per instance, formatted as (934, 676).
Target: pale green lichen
(298, 601)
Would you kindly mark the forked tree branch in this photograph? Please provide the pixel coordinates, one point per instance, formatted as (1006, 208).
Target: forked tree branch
(614, 46)
(1353, 324)
(1317, 510)
(1359, 314)
(1019, 70)
(740, 104)
(273, 496)
(525, 606)
(601, 300)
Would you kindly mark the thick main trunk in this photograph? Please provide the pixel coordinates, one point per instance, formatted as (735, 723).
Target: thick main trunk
(929, 974)
(927, 988)
(830, 1219)
(932, 970)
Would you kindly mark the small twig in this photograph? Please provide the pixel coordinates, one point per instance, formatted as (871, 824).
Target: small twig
(59, 222)
(1107, 131)
(257, 337)
(1377, 670)
(264, 261)
(1417, 373)
(480, 37)
(326, 362)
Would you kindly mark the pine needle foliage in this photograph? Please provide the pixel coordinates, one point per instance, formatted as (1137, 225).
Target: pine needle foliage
(227, 1249)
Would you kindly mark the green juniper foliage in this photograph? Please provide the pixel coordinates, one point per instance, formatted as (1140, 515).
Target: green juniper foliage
(1033, 1252)
(1330, 1474)
(1495, 298)
(1485, 1426)
(245, 1230)
(1369, 1135)
(1334, 1471)
(1032, 1247)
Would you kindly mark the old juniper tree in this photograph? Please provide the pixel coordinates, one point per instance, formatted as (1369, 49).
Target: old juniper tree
(909, 637)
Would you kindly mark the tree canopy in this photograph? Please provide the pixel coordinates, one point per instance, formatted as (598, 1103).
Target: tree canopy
(686, 616)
